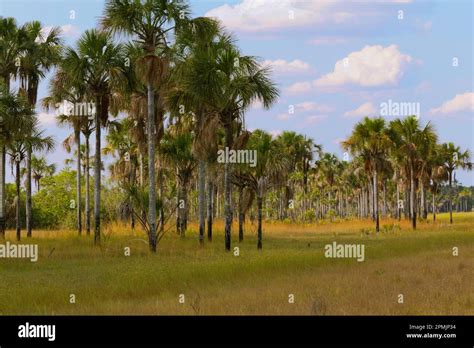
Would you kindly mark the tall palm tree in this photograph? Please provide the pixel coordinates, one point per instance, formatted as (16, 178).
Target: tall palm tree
(41, 53)
(98, 64)
(121, 145)
(239, 81)
(69, 95)
(268, 171)
(176, 148)
(191, 87)
(411, 143)
(454, 158)
(12, 47)
(370, 140)
(150, 23)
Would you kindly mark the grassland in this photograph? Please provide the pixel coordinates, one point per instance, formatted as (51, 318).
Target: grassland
(418, 264)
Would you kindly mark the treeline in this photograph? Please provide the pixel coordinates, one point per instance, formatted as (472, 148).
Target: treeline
(181, 88)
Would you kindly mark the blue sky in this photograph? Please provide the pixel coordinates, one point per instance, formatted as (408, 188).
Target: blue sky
(334, 61)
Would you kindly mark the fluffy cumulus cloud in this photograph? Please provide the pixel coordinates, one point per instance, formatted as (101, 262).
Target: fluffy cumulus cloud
(268, 15)
(284, 67)
(259, 16)
(372, 66)
(460, 103)
(366, 109)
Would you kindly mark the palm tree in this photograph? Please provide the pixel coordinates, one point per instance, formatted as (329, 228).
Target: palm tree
(239, 82)
(176, 148)
(69, 94)
(22, 140)
(41, 53)
(411, 144)
(370, 140)
(149, 23)
(121, 145)
(12, 47)
(40, 169)
(454, 158)
(99, 65)
(268, 171)
(191, 87)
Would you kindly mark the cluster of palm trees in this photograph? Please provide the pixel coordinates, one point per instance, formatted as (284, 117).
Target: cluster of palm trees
(27, 53)
(180, 87)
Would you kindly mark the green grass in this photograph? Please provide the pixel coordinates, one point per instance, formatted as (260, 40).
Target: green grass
(418, 264)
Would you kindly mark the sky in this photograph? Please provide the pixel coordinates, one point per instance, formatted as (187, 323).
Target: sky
(334, 61)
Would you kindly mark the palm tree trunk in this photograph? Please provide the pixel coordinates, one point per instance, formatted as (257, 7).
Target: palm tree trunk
(227, 188)
(6, 80)
(28, 193)
(132, 183)
(97, 174)
(384, 198)
(376, 203)
(423, 200)
(17, 215)
(434, 206)
(202, 200)
(151, 167)
(88, 200)
(412, 198)
(399, 213)
(450, 197)
(210, 208)
(241, 214)
(77, 136)
(183, 208)
(259, 229)
(161, 193)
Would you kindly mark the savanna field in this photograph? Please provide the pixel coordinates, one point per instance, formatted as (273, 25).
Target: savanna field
(418, 264)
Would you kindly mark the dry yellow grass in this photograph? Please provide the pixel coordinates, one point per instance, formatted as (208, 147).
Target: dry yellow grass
(418, 264)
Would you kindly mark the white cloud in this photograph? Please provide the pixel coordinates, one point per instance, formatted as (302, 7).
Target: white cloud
(311, 106)
(258, 16)
(46, 119)
(461, 102)
(299, 87)
(366, 109)
(67, 30)
(283, 67)
(372, 66)
(265, 15)
(275, 132)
